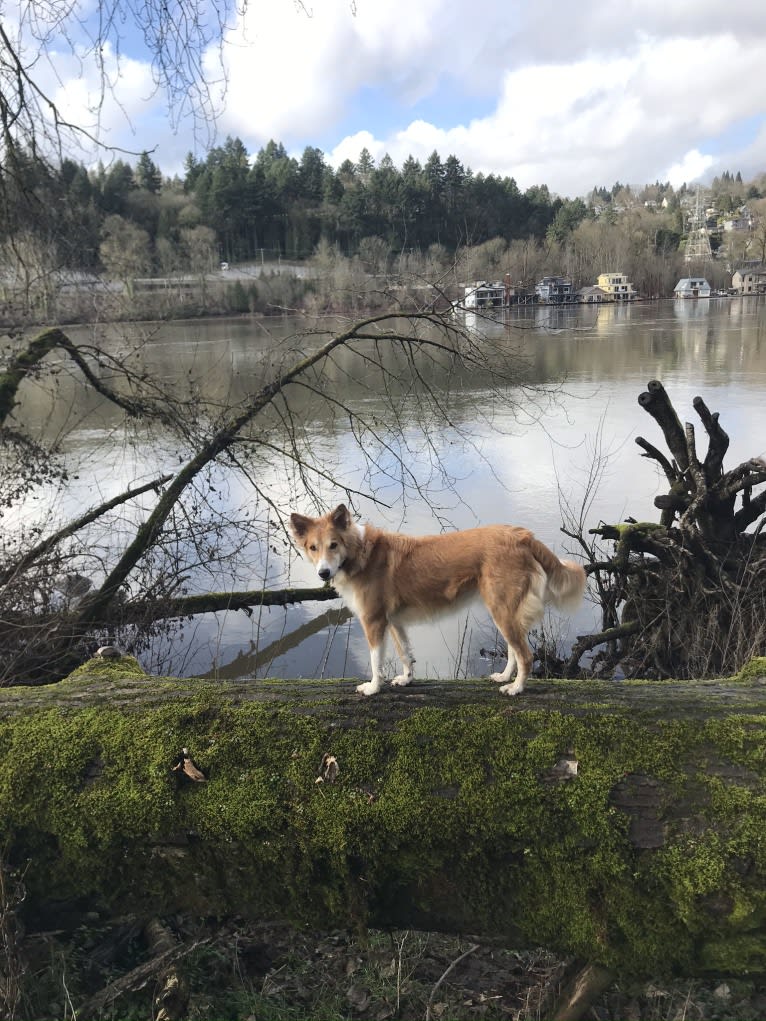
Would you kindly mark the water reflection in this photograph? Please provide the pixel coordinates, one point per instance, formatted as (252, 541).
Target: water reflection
(503, 457)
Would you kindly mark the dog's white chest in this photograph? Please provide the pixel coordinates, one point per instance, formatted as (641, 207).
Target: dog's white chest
(346, 590)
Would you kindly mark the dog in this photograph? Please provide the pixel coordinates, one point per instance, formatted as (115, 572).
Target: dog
(390, 580)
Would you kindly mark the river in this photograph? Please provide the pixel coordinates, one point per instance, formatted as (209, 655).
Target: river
(512, 456)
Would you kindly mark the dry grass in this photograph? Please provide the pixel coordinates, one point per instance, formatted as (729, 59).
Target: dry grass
(276, 972)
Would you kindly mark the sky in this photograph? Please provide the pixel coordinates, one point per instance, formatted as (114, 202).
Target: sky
(568, 95)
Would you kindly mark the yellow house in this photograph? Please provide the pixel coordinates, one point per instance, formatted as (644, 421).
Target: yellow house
(616, 286)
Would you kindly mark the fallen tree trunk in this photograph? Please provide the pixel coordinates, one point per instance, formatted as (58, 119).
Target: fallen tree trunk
(621, 823)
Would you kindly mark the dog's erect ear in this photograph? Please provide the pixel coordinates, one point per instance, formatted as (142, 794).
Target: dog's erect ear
(341, 518)
(299, 525)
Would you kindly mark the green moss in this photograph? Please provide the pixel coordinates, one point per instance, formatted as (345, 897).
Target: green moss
(626, 528)
(754, 670)
(453, 815)
(120, 667)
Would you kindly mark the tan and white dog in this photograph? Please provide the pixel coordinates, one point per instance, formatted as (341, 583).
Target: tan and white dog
(390, 580)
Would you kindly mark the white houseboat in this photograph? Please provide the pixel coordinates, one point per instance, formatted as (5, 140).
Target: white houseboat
(482, 295)
(692, 287)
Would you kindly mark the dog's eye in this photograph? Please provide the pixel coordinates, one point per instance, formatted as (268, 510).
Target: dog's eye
(333, 545)
(313, 547)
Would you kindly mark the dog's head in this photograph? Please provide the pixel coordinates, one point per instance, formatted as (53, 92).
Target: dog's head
(326, 541)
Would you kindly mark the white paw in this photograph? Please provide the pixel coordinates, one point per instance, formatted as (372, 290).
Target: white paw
(401, 681)
(368, 688)
(512, 689)
(499, 678)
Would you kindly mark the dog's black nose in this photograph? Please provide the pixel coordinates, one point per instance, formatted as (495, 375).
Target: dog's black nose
(324, 574)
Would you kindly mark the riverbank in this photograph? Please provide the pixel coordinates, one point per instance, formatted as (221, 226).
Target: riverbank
(284, 290)
(269, 293)
(96, 302)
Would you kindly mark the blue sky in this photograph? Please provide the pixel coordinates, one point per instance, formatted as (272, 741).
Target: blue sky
(543, 91)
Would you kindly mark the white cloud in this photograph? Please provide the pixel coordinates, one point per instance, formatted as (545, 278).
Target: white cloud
(352, 145)
(114, 107)
(572, 99)
(598, 119)
(690, 168)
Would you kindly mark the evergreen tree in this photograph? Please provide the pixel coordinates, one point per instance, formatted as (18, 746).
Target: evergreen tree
(365, 166)
(147, 174)
(116, 185)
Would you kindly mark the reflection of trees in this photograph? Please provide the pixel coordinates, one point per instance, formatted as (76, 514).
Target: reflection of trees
(178, 536)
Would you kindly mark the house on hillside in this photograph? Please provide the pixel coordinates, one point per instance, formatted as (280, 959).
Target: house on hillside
(482, 295)
(751, 280)
(616, 286)
(555, 291)
(692, 287)
(738, 223)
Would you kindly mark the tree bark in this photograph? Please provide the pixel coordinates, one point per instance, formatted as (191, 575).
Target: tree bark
(620, 823)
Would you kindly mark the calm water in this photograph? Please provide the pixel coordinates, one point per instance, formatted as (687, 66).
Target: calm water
(503, 457)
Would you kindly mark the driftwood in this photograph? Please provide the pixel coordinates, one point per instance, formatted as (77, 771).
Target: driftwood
(618, 823)
(685, 596)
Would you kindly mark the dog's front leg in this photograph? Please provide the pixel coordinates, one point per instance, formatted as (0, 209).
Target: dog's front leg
(375, 633)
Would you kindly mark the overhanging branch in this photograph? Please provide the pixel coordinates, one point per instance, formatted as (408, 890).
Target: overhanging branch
(141, 611)
(94, 607)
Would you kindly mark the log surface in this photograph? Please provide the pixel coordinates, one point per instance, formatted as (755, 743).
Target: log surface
(621, 822)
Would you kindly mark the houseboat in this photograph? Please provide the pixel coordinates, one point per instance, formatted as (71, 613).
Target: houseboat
(750, 280)
(616, 287)
(692, 287)
(591, 295)
(555, 291)
(482, 295)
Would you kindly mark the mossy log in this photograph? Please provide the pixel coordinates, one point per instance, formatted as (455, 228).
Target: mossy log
(622, 823)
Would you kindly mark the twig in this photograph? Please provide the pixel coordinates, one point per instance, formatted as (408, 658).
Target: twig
(651, 451)
(137, 977)
(68, 997)
(74, 526)
(470, 950)
(399, 953)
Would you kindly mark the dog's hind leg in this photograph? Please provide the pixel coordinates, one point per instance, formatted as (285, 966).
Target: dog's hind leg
(404, 650)
(510, 667)
(375, 633)
(514, 622)
(519, 657)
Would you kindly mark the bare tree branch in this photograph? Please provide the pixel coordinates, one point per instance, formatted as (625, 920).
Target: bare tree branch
(719, 440)
(71, 528)
(94, 606)
(142, 610)
(655, 401)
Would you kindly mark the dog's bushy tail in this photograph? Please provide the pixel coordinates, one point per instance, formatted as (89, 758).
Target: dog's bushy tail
(565, 580)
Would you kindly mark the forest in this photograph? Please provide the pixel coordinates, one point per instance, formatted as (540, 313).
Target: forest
(435, 221)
